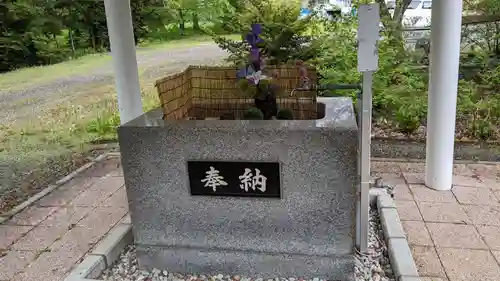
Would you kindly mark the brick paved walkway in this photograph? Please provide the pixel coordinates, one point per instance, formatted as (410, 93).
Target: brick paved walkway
(454, 235)
(46, 240)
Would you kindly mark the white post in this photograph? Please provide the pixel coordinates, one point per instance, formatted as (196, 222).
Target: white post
(121, 39)
(446, 30)
(368, 34)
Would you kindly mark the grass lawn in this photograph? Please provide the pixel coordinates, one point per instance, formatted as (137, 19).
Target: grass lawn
(33, 152)
(26, 77)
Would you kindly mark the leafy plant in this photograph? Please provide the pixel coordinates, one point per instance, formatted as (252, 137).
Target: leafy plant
(253, 114)
(285, 114)
(285, 37)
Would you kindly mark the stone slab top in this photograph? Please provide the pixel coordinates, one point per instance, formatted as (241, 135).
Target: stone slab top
(339, 114)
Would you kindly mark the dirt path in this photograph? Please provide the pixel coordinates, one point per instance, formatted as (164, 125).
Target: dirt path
(22, 104)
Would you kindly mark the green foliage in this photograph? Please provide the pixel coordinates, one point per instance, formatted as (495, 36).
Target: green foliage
(400, 85)
(104, 127)
(253, 114)
(286, 37)
(37, 32)
(285, 114)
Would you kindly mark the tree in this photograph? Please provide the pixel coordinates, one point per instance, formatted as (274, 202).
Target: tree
(393, 22)
(22, 30)
(484, 36)
(284, 34)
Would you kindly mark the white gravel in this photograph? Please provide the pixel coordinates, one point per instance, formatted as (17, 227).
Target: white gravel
(373, 266)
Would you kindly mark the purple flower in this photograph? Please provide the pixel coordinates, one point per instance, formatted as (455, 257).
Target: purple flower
(242, 73)
(255, 54)
(251, 39)
(256, 28)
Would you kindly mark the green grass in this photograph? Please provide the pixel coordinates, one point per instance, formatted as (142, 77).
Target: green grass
(26, 77)
(188, 41)
(46, 145)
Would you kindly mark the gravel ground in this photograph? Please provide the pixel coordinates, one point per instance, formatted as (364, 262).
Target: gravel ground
(26, 103)
(373, 266)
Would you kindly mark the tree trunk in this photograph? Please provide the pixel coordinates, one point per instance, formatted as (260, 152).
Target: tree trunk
(394, 24)
(196, 22)
(92, 38)
(55, 40)
(182, 26)
(72, 40)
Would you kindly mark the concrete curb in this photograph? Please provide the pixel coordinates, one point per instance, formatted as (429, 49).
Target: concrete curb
(413, 160)
(104, 255)
(5, 216)
(400, 254)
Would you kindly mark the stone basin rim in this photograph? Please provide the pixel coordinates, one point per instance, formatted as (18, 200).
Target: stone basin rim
(338, 115)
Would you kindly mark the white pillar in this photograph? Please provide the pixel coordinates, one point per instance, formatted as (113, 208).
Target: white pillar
(121, 39)
(446, 29)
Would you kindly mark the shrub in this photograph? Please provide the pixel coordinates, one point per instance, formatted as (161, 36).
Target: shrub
(400, 85)
(285, 36)
(253, 114)
(285, 114)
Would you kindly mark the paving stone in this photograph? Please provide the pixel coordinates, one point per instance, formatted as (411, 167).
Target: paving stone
(474, 196)
(40, 237)
(118, 199)
(65, 193)
(483, 215)
(469, 265)
(427, 261)
(98, 192)
(11, 233)
(103, 217)
(15, 261)
(402, 192)
(102, 168)
(32, 215)
(468, 181)
(49, 266)
(392, 178)
(414, 167)
(416, 233)
(90, 230)
(116, 173)
(443, 212)
(496, 254)
(126, 219)
(414, 178)
(491, 235)
(432, 279)
(462, 169)
(408, 210)
(66, 216)
(424, 194)
(488, 171)
(492, 184)
(385, 167)
(78, 240)
(455, 235)
(497, 194)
